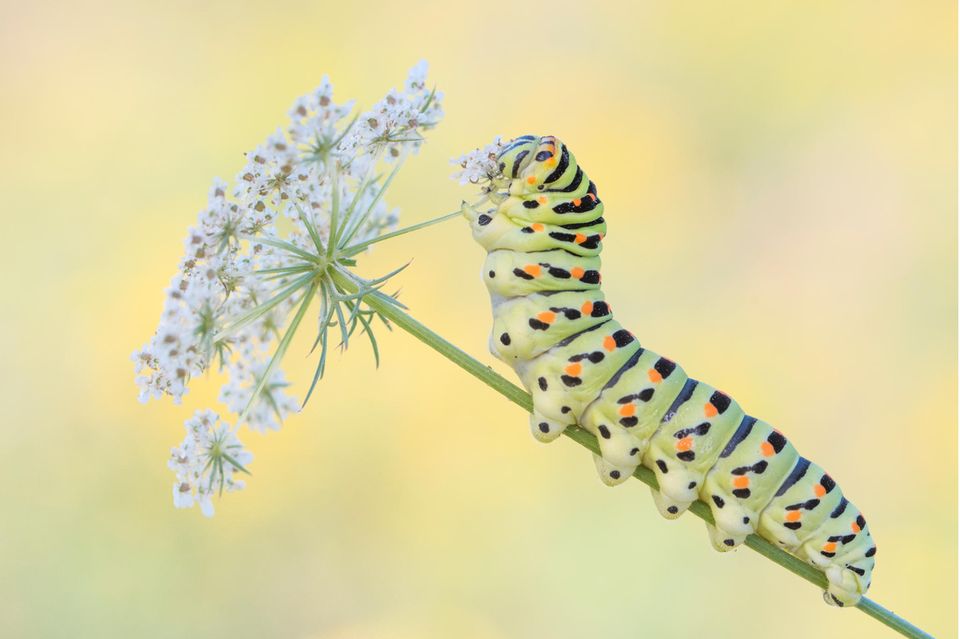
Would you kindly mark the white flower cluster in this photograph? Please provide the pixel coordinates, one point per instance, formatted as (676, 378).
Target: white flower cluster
(393, 124)
(480, 165)
(232, 268)
(206, 462)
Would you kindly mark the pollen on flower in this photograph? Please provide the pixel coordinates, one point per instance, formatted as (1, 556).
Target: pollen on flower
(306, 202)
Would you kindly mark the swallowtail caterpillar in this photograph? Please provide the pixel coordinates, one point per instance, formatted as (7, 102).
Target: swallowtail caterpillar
(552, 325)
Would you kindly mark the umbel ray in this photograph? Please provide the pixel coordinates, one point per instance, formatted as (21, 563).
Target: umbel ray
(552, 325)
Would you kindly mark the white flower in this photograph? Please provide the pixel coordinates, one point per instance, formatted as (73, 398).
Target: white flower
(397, 122)
(315, 118)
(206, 462)
(479, 165)
(417, 77)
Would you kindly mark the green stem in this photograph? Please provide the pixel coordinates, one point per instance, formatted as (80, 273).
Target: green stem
(361, 246)
(378, 302)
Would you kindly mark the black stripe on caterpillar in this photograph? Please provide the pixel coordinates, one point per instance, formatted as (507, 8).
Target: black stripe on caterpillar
(553, 326)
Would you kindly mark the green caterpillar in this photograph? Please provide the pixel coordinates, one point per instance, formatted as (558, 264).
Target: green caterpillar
(552, 325)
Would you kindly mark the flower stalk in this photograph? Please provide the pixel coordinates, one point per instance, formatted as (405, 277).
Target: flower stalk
(387, 308)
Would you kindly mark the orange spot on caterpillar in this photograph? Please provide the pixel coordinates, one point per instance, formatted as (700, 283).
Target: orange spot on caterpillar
(587, 308)
(609, 343)
(531, 180)
(854, 527)
(576, 202)
(532, 269)
(573, 370)
(793, 515)
(830, 546)
(580, 238)
(537, 227)
(552, 161)
(741, 481)
(577, 272)
(709, 410)
(685, 444)
(547, 317)
(542, 199)
(627, 410)
(654, 376)
(819, 490)
(767, 449)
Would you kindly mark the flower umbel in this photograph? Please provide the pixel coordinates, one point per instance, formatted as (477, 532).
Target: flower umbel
(206, 462)
(286, 233)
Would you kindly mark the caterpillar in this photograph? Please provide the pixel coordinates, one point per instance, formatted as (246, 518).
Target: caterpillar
(552, 325)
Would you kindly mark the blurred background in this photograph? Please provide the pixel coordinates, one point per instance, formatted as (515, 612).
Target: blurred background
(780, 184)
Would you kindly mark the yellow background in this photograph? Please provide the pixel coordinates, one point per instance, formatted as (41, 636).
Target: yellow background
(780, 188)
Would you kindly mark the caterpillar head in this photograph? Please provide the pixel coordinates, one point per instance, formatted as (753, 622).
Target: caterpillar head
(531, 162)
(517, 155)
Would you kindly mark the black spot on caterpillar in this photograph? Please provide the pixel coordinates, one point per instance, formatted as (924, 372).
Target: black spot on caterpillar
(522, 274)
(583, 367)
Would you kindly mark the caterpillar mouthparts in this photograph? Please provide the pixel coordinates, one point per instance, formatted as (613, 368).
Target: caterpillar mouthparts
(554, 327)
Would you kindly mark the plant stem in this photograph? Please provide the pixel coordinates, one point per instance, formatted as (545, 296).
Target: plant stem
(361, 246)
(379, 302)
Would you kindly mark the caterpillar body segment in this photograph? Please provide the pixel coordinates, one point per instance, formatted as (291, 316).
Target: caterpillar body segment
(527, 273)
(546, 318)
(691, 439)
(576, 368)
(513, 234)
(553, 325)
(802, 503)
(746, 480)
(629, 411)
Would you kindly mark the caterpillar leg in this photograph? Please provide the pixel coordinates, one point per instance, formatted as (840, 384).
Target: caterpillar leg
(723, 540)
(843, 587)
(669, 508)
(620, 452)
(732, 521)
(610, 474)
(545, 429)
(678, 487)
(850, 578)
